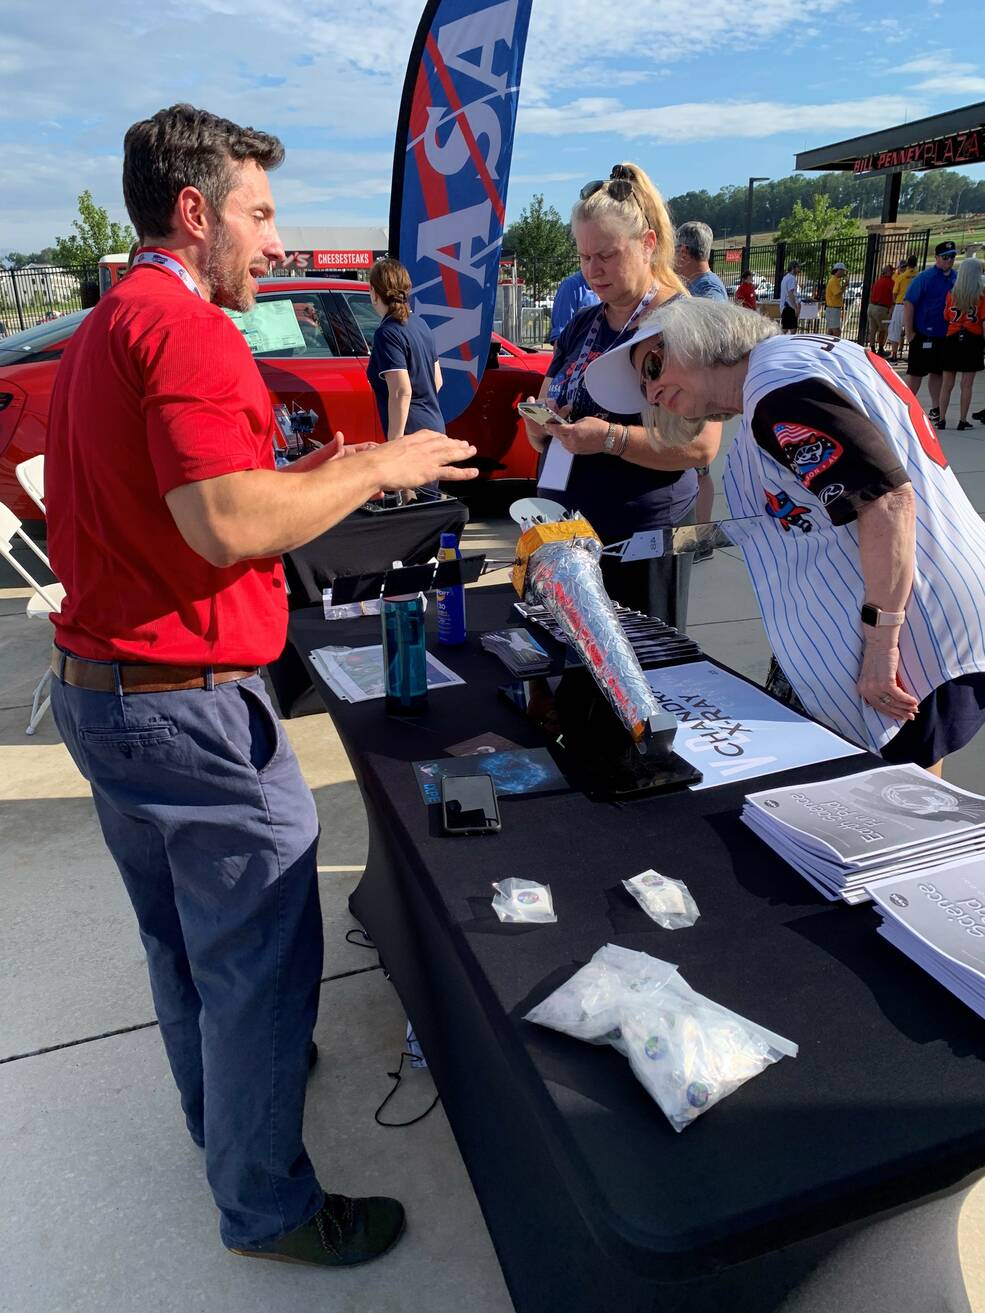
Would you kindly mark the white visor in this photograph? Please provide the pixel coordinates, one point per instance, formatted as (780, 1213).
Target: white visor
(613, 380)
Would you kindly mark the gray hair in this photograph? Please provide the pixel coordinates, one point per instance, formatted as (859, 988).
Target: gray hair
(696, 238)
(699, 334)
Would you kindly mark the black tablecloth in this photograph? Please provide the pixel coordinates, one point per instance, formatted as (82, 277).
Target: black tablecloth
(585, 1186)
(370, 540)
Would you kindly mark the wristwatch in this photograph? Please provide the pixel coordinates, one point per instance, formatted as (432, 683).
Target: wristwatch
(872, 616)
(609, 441)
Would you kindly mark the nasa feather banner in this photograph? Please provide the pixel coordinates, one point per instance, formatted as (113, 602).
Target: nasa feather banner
(450, 173)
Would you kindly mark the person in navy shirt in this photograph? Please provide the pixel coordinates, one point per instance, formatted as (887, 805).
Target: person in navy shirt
(573, 294)
(925, 327)
(403, 369)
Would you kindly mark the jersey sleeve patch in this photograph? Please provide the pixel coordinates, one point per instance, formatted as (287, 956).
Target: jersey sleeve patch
(809, 451)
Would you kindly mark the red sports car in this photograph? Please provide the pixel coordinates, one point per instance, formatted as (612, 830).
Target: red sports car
(315, 358)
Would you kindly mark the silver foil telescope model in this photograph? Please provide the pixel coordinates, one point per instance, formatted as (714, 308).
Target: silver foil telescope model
(557, 566)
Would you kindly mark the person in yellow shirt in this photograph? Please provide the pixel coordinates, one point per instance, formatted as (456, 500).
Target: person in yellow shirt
(834, 299)
(905, 276)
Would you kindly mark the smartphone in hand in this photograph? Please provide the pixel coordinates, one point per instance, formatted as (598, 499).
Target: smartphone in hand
(539, 413)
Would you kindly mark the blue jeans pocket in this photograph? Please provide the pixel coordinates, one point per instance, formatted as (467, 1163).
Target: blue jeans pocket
(249, 724)
(128, 742)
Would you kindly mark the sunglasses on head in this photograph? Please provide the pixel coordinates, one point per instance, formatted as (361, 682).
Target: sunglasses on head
(651, 367)
(618, 185)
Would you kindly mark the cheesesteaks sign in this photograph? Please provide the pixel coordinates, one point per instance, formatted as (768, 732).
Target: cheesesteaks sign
(450, 173)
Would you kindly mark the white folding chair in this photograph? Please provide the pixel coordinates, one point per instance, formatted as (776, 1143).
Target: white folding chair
(44, 599)
(30, 475)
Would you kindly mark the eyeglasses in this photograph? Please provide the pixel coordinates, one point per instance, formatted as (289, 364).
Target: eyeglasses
(618, 185)
(948, 255)
(651, 367)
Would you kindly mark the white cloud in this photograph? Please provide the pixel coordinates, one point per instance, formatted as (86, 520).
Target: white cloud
(930, 63)
(955, 84)
(674, 124)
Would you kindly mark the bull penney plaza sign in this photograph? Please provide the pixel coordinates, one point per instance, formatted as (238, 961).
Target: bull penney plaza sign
(939, 153)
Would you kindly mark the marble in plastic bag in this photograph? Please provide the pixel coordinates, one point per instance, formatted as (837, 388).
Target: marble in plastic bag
(687, 1051)
(666, 901)
(523, 900)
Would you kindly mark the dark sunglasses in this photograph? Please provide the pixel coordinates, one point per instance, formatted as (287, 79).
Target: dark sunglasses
(619, 185)
(651, 367)
(948, 255)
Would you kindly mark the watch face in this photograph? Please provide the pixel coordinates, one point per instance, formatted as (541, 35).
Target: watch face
(870, 614)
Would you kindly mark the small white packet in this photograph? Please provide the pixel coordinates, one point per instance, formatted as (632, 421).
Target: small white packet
(523, 900)
(666, 901)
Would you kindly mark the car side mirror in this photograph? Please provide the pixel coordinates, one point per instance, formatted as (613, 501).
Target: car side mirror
(492, 360)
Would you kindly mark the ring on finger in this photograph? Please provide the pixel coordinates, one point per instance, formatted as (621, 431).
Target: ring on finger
(885, 698)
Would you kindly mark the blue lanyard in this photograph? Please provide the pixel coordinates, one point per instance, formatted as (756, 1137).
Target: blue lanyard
(163, 261)
(565, 385)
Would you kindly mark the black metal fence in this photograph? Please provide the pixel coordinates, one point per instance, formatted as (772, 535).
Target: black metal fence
(37, 293)
(864, 257)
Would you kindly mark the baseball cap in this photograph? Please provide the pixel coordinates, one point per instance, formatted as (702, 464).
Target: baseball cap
(945, 248)
(836, 267)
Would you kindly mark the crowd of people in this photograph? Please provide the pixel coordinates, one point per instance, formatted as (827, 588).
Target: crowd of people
(167, 519)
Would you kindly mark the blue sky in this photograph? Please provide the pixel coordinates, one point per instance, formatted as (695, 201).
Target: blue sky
(700, 95)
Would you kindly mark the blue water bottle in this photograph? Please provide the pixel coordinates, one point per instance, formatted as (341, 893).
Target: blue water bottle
(405, 655)
(451, 601)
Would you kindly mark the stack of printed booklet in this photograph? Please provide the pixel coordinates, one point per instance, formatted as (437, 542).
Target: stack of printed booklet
(849, 836)
(908, 841)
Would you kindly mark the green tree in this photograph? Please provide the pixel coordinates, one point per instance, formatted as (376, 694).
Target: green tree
(95, 235)
(18, 259)
(543, 245)
(811, 225)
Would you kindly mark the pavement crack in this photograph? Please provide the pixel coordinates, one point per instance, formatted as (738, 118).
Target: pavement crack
(146, 1025)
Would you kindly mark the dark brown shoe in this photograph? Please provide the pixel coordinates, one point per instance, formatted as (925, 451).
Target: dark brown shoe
(342, 1233)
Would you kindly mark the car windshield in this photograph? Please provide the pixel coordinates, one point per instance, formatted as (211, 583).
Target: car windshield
(17, 347)
(286, 326)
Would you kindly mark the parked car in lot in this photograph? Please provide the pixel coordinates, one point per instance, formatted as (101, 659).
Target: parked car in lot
(314, 358)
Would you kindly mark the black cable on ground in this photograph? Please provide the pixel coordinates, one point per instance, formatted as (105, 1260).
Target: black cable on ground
(146, 1025)
(396, 1077)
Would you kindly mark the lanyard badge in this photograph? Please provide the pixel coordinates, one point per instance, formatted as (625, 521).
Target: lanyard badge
(163, 261)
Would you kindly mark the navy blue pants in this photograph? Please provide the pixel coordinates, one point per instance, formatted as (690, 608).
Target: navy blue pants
(206, 813)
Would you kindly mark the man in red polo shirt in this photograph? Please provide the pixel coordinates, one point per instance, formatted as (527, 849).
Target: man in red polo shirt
(166, 519)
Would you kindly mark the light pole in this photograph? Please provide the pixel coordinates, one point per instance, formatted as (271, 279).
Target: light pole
(957, 203)
(748, 251)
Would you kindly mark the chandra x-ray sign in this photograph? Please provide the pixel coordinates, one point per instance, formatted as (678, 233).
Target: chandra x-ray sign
(450, 173)
(732, 730)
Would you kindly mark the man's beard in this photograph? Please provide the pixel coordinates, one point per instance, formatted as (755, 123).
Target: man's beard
(229, 288)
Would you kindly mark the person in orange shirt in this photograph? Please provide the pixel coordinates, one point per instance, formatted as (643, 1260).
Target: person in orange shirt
(745, 293)
(880, 306)
(964, 345)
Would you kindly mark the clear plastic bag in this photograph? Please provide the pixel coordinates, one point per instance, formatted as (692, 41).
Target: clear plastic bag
(523, 900)
(666, 901)
(687, 1051)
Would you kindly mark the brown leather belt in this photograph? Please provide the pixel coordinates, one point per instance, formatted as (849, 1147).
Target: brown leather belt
(100, 677)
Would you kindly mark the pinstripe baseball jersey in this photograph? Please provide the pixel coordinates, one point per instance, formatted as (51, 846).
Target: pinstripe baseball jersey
(825, 428)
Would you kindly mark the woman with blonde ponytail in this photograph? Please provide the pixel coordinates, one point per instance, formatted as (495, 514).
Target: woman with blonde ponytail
(619, 479)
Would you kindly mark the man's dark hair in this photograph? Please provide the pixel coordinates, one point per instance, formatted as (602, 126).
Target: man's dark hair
(186, 147)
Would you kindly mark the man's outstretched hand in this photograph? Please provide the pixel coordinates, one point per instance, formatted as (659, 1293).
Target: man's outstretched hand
(422, 457)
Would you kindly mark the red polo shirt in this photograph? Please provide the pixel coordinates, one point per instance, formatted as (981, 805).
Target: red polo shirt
(155, 390)
(882, 291)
